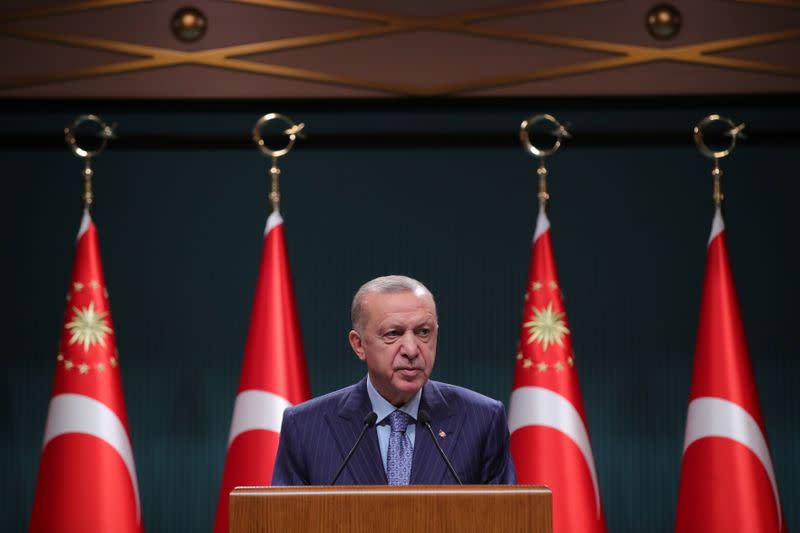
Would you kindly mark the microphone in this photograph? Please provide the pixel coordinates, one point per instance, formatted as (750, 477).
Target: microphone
(369, 421)
(425, 419)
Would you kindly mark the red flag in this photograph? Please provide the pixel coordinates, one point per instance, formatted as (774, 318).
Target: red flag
(549, 435)
(727, 479)
(87, 477)
(273, 378)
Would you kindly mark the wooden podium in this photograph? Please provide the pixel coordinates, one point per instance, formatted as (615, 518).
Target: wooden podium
(385, 509)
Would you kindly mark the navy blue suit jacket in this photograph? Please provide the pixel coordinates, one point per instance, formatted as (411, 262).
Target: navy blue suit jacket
(316, 435)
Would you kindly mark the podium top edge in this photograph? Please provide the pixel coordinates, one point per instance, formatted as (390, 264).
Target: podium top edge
(396, 490)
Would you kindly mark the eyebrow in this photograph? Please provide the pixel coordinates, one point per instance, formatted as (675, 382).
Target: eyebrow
(396, 325)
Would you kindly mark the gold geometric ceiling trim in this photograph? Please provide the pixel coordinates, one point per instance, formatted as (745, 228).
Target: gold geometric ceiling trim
(231, 57)
(61, 9)
(360, 14)
(321, 9)
(458, 23)
(697, 54)
(155, 58)
(776, 3)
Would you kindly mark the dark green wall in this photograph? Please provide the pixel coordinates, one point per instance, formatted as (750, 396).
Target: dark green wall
(181, 232)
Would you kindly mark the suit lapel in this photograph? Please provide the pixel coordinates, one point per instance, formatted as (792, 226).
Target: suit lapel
(366, 466)
(427, 466)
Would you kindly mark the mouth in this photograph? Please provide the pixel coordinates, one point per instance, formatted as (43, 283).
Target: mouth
(409, 372)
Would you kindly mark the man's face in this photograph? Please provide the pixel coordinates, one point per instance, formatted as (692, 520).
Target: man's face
(397, 341)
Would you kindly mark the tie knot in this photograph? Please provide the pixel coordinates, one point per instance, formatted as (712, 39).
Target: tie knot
(399, 420)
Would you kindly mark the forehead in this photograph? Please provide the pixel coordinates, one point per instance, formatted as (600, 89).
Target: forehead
(381, 305)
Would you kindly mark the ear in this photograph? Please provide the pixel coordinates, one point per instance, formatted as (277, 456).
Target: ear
(357, 344)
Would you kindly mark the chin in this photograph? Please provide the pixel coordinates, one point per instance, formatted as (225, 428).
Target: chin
(411, 387)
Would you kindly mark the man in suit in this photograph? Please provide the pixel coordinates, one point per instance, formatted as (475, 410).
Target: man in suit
(395, 330)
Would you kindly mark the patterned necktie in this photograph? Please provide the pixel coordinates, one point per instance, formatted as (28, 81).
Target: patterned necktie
(398, 457)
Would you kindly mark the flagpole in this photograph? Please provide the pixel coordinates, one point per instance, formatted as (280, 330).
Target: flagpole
(542, 173)
(727, 480)
(549, 435)
(292, 132)
(87, 473)
(274, 374)
(732, 131)
(536, 125)
(105, 132)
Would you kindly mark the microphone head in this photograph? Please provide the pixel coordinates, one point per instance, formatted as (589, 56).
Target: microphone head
(370, 419)
(423, 417)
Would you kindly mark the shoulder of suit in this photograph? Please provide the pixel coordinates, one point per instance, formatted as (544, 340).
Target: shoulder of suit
(454, 393)
(320, 404)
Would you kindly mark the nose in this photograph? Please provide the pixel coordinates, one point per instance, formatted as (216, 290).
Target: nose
(408, 346)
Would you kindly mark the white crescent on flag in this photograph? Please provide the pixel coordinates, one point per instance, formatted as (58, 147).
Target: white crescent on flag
(538, 406)
(257, 409)
(717, 417)
(76, 413)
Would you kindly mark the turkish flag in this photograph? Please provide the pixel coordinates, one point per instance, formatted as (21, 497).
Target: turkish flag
(549, 435)
(727, 479)
(87, 476)
(274, 374)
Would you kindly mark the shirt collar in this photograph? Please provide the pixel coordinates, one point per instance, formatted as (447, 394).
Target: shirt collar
(383, 408)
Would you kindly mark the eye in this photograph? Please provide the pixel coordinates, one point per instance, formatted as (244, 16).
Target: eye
(424, 332)
(392, 334)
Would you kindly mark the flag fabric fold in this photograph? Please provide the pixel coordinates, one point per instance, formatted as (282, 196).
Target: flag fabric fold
(273, 376)
(727, 479)
(87, 476)
(549, 434)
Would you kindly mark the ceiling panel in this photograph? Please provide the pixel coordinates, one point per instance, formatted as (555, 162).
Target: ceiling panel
(355, 48)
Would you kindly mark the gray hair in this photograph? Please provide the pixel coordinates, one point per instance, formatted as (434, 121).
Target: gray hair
(383, 285)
